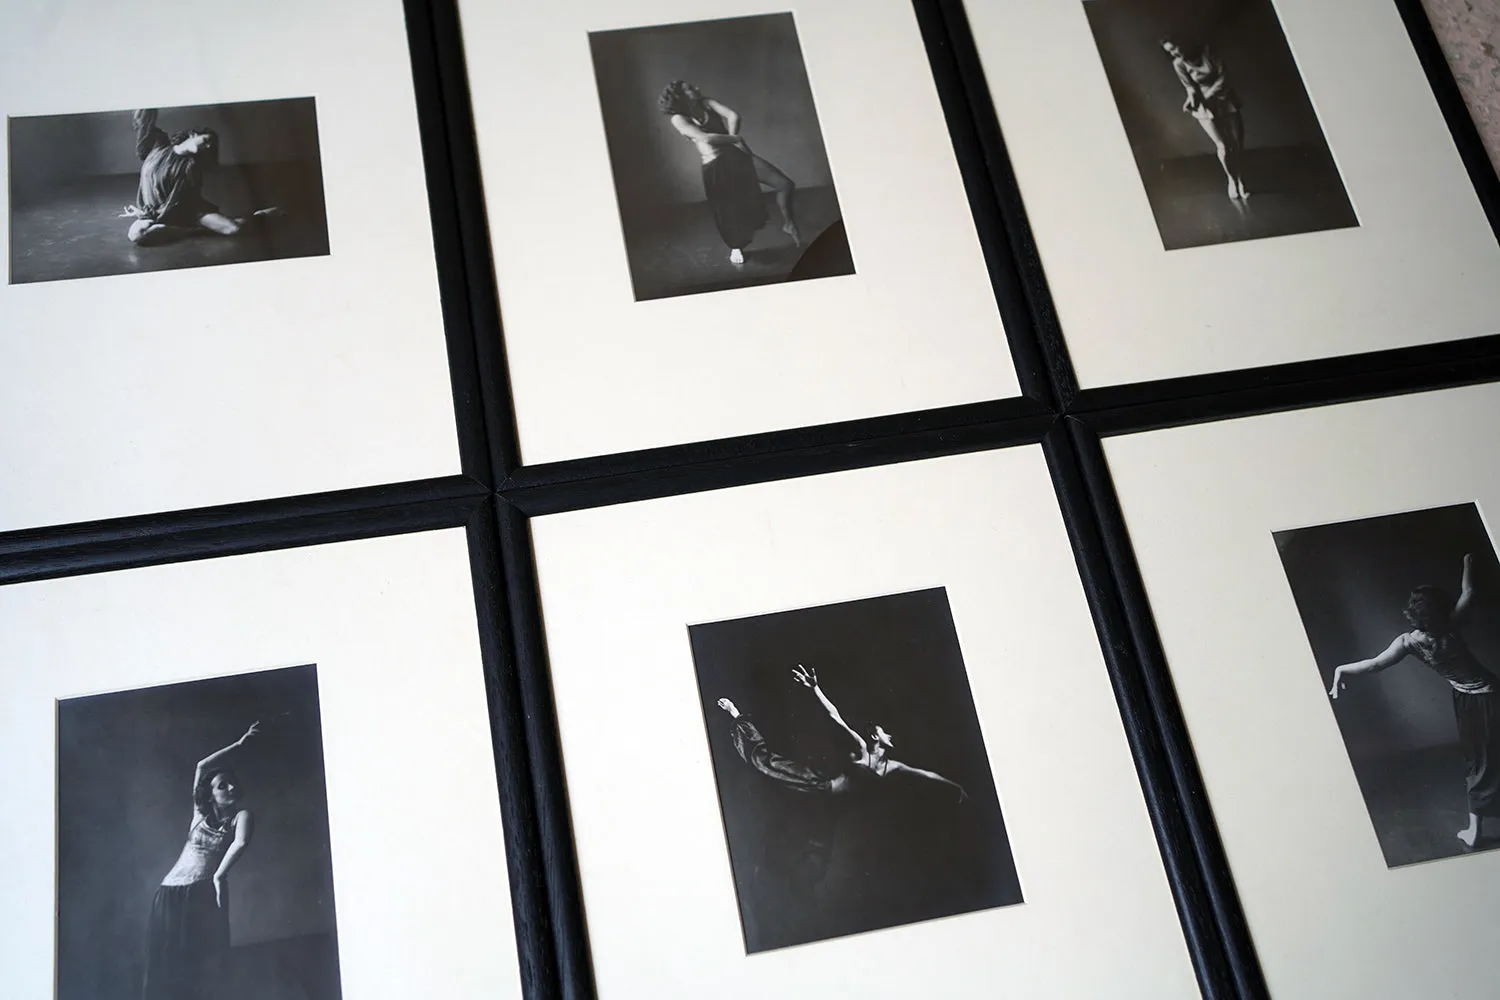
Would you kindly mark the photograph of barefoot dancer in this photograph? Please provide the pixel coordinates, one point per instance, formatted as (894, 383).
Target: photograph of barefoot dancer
(1225, 137)
(853, 781)
(1380, 598)
(91, 194)
(717, 155)
(225, 775)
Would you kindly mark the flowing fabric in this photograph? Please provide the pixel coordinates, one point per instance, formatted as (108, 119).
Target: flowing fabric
(732, 189)
(751, 745)
(187, 937)
(1478, 718)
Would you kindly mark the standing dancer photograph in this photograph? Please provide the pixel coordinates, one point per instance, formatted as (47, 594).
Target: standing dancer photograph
(1213, 103)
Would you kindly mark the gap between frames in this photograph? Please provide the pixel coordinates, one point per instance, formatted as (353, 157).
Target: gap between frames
(1149, 704)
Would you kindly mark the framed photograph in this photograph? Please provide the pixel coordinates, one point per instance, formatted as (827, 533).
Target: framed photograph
(724, 220)
(227, 774)
(1226, 184)
(219, 274)
(1329, 626)
(841, 730)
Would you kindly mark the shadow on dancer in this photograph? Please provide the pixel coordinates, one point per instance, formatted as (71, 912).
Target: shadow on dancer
(870, 761)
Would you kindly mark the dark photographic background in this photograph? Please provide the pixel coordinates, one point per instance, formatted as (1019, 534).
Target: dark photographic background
(70, 175)
(1351, 582)
(1293, 181)
(124, 805)
(753, 65)
(810, 866)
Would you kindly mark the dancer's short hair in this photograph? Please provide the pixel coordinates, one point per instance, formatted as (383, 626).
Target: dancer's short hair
(674, 99)
(1430, 609)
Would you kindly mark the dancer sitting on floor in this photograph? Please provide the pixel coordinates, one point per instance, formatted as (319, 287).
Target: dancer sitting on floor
(169, 203)
(1435, 640)
(871, 760)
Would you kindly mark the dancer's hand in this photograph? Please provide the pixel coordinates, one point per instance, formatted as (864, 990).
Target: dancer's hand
(963, 796)
(728, 706)
(218, 892)
(1338, 684)
(254, 730)
(807, 678)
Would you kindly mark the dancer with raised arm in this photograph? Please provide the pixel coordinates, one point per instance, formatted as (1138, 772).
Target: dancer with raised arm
(1435, 639)
(1212, 101)
(871, 760)
(732, 173)
(188, 930)
(169, 202)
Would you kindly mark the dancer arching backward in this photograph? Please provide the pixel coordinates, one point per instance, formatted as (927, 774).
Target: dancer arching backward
(1435, 640)
(871, 760)
(1213, 102)
(169, 203)
(188, 930)
(732, 174)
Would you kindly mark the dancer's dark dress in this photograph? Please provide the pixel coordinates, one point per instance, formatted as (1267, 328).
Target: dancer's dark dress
(187, 934)
(800, 777)
(171, 188)
(1476, 709)
(731, 186)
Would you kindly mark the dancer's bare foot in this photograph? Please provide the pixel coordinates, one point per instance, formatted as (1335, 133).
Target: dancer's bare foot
(1244, 192)
(269, 212)
(790, 228)
(1470, 833)
(728, 706)
(736, 257)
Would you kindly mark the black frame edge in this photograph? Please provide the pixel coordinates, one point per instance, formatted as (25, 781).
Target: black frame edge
(454, 293)
(524, 857)
(559, 861)
(1156, 761)
(1156, 707)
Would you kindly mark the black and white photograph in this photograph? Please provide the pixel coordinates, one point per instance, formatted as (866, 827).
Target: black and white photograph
(853, 780)
(193, 855)
(1224, 134)
(717, 154)
(154, 189)
(1403, 616)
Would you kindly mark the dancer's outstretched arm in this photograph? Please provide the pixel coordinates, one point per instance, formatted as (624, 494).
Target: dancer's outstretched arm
(1393, 654)
(809, 679)
(1465, 592)
(219, 755)
(896, 765)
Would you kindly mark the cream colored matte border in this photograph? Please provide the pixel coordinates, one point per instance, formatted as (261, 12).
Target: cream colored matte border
(620, 586)
(594, 372)
(1329, 919)
(137, 393)
(419, 871)
(1421, 267)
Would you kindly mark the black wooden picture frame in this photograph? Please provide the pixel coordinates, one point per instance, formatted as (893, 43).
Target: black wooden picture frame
(495, 496)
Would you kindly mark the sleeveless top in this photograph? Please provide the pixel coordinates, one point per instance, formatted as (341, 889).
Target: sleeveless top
(713, 122)
(1449, 656)
(205, 848)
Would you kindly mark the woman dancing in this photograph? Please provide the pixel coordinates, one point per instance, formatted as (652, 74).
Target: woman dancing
(732, 174)
(871, 760)
(169, 202)
(1212, 101)
(188, 931)
(1434, 639)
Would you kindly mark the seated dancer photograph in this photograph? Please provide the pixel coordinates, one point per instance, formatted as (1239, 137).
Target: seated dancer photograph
(196, 185)
(871, 760)
(733, 175)
(169, 203)
(1436, 641)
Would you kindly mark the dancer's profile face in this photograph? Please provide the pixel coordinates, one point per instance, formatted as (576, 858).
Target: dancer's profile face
(883, 738)
(225, 790)
(1171, 49)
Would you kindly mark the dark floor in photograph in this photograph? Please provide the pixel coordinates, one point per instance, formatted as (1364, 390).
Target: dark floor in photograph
(1417, 805)
(685, 254)
(79, 232)
(1292, 190)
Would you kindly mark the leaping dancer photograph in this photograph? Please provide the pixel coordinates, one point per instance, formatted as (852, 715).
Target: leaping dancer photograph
(869, 761)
